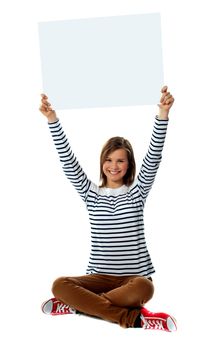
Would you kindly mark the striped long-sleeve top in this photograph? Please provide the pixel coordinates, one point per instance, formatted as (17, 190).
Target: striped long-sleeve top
(118, 245)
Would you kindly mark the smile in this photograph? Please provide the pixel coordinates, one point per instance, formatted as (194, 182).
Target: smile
(114, 172)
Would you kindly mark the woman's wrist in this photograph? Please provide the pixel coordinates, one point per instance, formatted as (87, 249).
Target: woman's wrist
(163, 115)
(52, 120)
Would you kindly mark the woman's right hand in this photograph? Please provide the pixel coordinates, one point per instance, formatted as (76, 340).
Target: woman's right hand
(46, 109)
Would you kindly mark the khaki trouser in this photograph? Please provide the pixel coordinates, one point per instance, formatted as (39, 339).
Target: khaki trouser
(113, 298)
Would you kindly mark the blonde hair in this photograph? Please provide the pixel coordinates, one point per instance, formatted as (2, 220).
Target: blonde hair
(112, 145)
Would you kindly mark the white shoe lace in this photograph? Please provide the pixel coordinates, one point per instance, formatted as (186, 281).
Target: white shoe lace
(153, 324)
(63, 308)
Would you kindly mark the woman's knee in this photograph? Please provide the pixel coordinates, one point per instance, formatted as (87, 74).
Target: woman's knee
(58, 285)
(145, 288)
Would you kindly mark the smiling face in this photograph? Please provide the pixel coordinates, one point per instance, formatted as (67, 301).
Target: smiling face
(117, 163)
(115, 168)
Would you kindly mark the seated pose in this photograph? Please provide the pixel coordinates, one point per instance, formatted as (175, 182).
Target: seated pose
(118, 281)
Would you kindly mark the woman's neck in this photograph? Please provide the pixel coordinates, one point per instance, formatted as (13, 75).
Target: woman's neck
(114, 185)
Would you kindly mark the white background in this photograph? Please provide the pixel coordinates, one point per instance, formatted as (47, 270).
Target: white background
(44, 224)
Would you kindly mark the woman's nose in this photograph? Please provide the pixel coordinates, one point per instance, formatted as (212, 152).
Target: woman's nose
(114, 166)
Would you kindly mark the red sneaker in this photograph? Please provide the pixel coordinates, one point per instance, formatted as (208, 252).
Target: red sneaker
(55, 307)
(159, 320)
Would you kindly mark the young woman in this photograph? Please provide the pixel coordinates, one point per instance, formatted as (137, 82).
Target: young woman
(118, 280)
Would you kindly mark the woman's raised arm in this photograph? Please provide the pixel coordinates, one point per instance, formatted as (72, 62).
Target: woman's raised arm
(70, 165)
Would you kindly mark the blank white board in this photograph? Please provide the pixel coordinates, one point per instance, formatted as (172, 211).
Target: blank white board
(102, 62)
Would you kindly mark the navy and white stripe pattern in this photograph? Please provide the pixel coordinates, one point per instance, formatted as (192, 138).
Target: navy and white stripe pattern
(118, 245)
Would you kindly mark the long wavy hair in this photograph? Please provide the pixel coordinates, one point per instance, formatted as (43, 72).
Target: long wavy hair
(112, 145)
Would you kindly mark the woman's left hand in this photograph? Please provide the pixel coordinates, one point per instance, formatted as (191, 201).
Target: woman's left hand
(166, 103)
